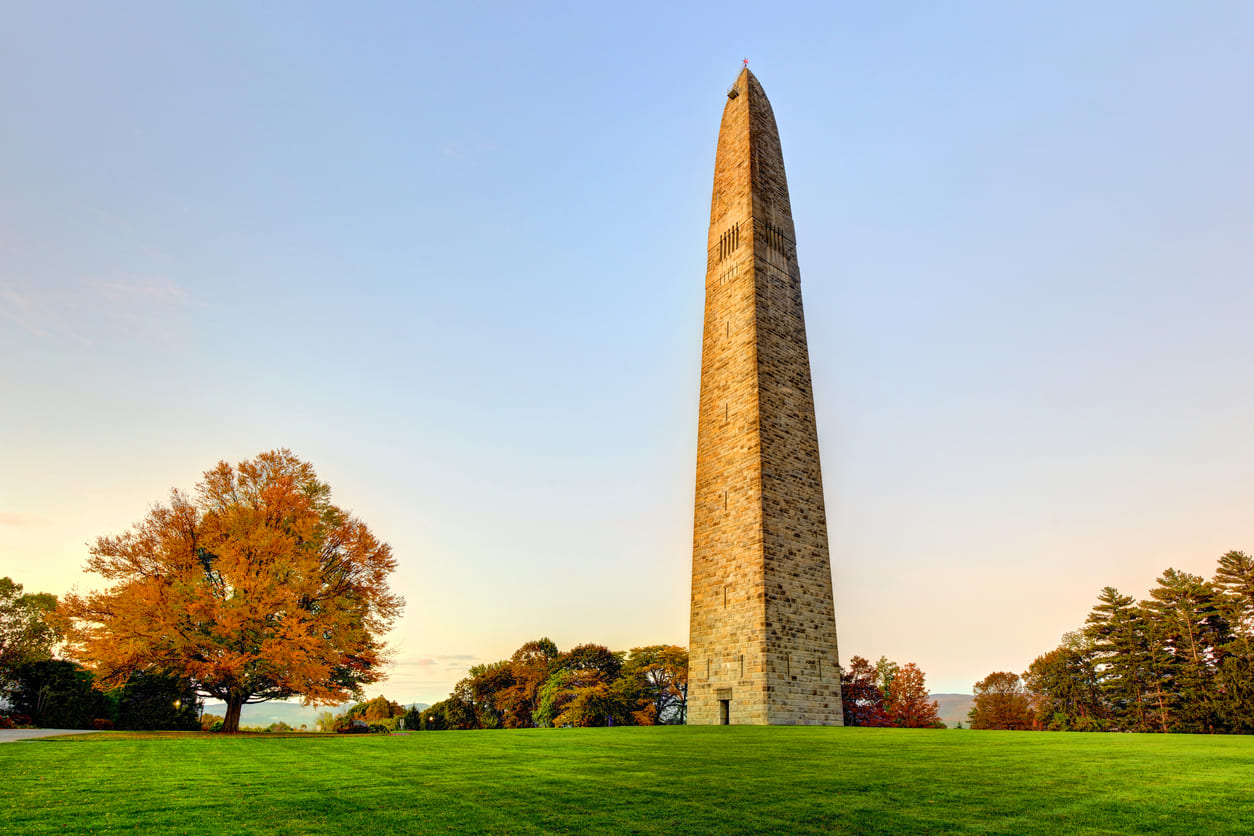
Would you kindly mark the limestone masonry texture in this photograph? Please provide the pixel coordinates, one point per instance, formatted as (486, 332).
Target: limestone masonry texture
(763, 630)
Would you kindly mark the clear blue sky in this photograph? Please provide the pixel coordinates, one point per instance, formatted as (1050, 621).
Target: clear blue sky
(453, 255)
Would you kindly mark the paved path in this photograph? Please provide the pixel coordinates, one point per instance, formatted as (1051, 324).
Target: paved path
(9, 735)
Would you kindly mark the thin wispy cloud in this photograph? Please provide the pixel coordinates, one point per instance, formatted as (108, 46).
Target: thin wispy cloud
(14, 519)
(444, 662)
(75, 309)
(429, 677)
(141, 291)
(30, 310)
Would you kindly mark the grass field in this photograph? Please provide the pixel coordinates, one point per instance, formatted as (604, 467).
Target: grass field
(736, 779)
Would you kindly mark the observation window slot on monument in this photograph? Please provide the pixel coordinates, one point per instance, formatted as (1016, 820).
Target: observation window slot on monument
(775, 238)
(728, 242)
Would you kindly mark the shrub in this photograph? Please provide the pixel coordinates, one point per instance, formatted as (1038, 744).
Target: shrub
(349, 725)
(379, 728)
(101, 724)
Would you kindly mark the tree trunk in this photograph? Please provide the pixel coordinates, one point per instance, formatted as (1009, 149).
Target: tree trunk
(234, 704)
(1162, 706)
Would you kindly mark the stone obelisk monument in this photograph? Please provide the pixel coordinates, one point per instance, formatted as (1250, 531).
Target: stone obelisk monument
(763, 633)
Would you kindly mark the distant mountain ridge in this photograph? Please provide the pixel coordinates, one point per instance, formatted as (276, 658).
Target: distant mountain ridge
(294, 714)
(953, 708)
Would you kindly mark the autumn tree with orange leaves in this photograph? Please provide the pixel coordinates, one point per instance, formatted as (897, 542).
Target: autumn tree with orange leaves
(257, 589)
(906, 701)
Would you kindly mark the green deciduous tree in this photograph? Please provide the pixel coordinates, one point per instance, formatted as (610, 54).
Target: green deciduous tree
(658, 674)
(597, 704)
(555, 693)
(25, 633)
(449, 714)
(885, 671)
(58, 694)
(578, 689)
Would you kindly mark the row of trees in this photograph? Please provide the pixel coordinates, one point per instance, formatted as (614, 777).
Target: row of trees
(886, 695)
(588, 685)
(54, 693)
(1181, 660)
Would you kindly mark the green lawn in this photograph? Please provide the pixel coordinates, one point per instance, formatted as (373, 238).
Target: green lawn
(642, 780)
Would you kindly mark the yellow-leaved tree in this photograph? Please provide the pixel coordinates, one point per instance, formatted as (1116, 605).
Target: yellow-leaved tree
(257, 589)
